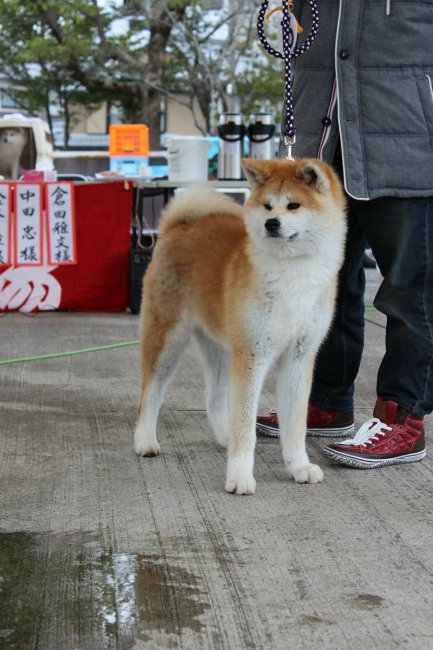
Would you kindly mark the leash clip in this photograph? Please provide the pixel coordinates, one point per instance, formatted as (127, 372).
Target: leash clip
(289, 143)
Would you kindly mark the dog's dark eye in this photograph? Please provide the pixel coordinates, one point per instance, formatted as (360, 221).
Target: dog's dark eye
(293, 206)
(267, 206)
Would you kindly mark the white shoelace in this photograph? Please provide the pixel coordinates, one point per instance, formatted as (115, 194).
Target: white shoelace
(368, 433)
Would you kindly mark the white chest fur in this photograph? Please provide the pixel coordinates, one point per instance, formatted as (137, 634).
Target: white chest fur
(291, 307)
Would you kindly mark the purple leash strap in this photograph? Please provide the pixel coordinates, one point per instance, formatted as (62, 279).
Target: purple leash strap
(288, 134)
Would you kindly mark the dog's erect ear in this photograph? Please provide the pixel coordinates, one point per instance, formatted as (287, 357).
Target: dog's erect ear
(255, 171)
(314, 175)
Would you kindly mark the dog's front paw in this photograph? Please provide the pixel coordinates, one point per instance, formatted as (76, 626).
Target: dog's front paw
(146, 448)
(240, 482)
(307, 473)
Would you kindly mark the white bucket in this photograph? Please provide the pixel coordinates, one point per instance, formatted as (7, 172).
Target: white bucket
(187, 158)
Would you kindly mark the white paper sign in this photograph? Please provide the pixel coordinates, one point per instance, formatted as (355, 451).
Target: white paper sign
(28, 224)
(5, 223)
(61, 223)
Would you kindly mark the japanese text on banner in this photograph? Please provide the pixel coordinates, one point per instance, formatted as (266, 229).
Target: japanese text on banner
(5, 223)
(28, 222)
(61, 223)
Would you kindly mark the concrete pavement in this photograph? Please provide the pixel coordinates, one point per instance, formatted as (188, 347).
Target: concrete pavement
(101, 549)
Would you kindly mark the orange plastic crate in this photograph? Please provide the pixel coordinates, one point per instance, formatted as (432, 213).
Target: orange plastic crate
(129, 140)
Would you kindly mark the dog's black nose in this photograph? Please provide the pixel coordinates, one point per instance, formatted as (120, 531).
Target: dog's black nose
(272, 225)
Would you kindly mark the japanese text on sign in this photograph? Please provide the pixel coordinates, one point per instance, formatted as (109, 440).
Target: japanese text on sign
(28, 218)
(5, 220)
(61, 223)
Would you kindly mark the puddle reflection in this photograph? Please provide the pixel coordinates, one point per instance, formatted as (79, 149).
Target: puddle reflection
(66, 591)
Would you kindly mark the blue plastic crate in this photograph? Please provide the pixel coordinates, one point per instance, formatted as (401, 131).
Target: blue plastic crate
(130, 166)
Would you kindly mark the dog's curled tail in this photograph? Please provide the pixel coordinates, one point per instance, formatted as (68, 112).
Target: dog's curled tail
(195, 202)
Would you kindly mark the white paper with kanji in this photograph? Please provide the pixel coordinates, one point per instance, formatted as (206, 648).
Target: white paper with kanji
(61, 223)
(28, 224)
(5, 219)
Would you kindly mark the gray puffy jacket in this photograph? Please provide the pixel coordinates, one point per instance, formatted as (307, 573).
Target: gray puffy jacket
(367, 80)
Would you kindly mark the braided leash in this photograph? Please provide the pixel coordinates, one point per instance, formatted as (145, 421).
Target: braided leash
(288, 134)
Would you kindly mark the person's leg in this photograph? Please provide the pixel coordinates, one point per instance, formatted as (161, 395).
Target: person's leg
(400, 232)
(339, 358)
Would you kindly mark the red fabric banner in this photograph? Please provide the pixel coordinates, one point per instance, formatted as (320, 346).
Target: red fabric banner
(100, 279)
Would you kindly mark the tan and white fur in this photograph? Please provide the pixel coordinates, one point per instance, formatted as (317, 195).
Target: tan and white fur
(256, 287)
(12, 143)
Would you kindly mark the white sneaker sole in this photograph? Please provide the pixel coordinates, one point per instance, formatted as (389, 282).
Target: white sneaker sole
(371, 463)
(339, 432)
(268, 432)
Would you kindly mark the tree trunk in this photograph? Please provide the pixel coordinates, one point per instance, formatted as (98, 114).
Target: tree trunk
(161, 24)
(150, 102)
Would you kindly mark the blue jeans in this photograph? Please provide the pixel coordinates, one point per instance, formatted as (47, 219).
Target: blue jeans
(400, 233)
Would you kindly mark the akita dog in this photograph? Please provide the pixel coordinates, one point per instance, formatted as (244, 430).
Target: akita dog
(12, 143)
(255, 286)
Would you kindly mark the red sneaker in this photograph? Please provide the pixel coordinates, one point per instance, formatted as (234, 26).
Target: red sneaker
(329, 424)
(392, 436)
(267, 425)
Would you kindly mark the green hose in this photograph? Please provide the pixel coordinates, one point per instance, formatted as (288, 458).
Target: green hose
(56, 355)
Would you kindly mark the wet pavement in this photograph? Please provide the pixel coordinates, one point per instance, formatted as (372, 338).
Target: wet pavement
(101, 549)
(66, 590)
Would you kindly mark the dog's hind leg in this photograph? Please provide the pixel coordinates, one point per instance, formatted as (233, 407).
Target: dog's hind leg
(162, 345)
(294, 379)
(217, 365)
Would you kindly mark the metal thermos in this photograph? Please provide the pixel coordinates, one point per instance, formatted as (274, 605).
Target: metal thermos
(231, 132)
(260, 133)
